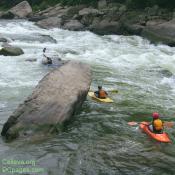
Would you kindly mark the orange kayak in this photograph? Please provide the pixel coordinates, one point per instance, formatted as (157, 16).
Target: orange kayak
(163, 137)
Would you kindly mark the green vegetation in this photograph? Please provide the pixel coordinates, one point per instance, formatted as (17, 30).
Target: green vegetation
(133, 4)
(149, 3)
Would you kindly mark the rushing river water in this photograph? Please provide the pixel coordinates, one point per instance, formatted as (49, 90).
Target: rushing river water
(97, 141)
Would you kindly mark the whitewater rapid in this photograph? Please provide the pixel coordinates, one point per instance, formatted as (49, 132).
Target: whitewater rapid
(131, 58)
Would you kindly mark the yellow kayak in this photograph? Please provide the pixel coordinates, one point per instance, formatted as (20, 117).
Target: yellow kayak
(105, 100)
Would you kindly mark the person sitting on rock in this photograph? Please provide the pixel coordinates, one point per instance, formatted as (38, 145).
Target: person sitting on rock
(156, 125)
(49, 60)
(101, 93)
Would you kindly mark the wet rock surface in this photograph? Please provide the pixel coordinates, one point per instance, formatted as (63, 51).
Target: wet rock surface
(21, 10)
(55, 99)
(11, 51)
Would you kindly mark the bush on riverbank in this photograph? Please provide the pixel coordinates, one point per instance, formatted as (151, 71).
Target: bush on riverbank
(140, 4)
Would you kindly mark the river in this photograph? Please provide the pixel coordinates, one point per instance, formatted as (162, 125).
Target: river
(98, 140)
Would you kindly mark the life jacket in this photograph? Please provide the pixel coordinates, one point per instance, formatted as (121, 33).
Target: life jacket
(102, 94)
(158, 125)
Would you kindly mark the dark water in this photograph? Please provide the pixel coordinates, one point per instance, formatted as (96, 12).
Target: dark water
(98, 140)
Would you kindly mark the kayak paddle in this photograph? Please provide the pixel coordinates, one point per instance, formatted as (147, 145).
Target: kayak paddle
(111, 91)
(166, 124)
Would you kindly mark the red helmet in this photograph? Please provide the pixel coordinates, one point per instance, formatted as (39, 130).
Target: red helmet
(155, 115)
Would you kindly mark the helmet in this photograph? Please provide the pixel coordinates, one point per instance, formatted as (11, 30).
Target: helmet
(44, 49)
(155, 115)
(99, 87)
(158, 125)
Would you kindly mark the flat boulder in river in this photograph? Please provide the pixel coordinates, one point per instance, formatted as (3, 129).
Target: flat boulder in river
(55, 99)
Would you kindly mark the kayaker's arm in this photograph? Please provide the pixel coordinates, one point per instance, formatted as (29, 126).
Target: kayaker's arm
(96, 93)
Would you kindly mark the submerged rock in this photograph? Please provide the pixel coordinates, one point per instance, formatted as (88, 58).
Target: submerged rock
(36, 37)
(31, 60)
(55, 99)
(11, 51)
(3, 40)
(166, 73)
(47, 38)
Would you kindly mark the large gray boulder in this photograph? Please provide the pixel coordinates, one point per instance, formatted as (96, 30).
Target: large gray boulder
(105, 27)
(49, 10)
(55, 99)
(163, 33)
(11, 51)
(32, 38)
(21, 10)
(74, 25)
(73, 10)
(51, 22)
(65, 13)
(102, 4)
(132, 29)
(89, 11)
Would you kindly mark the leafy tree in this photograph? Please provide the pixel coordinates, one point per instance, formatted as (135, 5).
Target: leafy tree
(133, 4)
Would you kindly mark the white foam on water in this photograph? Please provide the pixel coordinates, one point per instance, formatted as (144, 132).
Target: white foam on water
(131, 58)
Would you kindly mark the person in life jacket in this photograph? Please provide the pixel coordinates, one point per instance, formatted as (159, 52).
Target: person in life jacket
(49, 60)
(101, 93)
(157, 124)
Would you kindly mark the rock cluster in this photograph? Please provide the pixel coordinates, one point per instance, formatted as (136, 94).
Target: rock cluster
(108, 17)
(111, 18)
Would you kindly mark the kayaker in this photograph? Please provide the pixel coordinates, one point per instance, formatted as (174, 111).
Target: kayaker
(156, 125)
(101, 93)
(49, 60)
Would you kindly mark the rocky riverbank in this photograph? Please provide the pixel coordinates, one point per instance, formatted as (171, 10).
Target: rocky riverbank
(154, 23)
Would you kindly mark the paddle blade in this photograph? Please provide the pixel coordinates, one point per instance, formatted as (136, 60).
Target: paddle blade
(113, 91)
(168, 124)
(132, 123)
